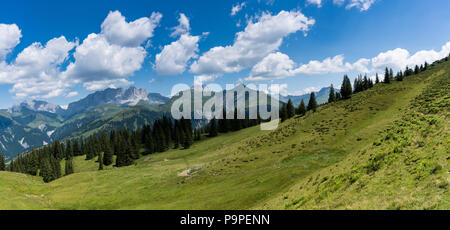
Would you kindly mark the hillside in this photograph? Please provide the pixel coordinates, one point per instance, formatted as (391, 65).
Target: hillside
(385, 148)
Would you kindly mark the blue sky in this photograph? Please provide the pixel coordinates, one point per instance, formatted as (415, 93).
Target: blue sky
(278, 40)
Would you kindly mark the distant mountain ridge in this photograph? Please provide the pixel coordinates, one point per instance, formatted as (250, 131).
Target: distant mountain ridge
(130, 97)
(35, 105)
(321, 97)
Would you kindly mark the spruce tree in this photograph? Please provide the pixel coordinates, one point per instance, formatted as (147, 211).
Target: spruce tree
(387, 78)
(2, 163)
(416, 69)
(134, 148)
(187, 140)
(108, 156)
(332, 96)
(69, 166)
(301, 110)
(283, 113)
(100, 161)
(45, 170)
(224, 126)
(312, 105)
(69, 150)
(346, 88)
(290, 109)
(377, 79)
(212, 128)
(76, 148)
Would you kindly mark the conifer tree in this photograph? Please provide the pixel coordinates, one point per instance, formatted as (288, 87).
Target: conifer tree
(76, 148)
(332, 96)
(223, 123)
(69, 166)
(338, 96)
(416, 69)
(290, 109)
(2, 162)
(58, 151)
(377, 79)
(134, 148)
(212, 128)
(100, 161)
(346, 88)
(46, 171)
(283, 113)
(301, 110)
(236, 124)
(312, 105)
(108, 156)
(387, 78)
(69, 150)
(187, 140)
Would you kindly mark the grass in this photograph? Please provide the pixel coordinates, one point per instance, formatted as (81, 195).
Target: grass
(386, 148)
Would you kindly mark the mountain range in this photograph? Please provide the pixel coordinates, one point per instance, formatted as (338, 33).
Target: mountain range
(32, 124)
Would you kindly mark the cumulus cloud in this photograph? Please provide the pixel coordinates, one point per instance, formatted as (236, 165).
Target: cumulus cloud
(174, 57)
(36, 70)
(279, 65)
(107, 59)
(258, 40)
(236, 8)
(10, 38)
(315, 2)
(273, 66)
(130, 34)
(98, 60)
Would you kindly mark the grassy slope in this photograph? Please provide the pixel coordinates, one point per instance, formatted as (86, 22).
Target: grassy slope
(337, 158)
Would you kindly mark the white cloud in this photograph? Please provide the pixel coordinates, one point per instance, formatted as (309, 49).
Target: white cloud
(36, 70)
(236, 8)
(315, 2)
(202, 79)
(72, 94)
(98, 60)
(131, 34)
(109, 58)
(278, 65)
(400, 58)
(362, 5)
(102, 84)
(174, 57)
(305, 91)
(10, 38)
(183, 26)
(273, 66)
(258, 40)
